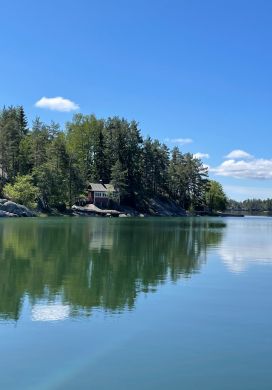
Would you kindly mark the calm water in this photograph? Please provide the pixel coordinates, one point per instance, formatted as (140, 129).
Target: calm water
(89, 303)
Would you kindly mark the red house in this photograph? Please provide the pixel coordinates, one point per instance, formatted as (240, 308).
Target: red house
(100, 194)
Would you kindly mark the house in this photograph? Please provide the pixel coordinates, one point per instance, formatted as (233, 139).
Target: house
(101, 194)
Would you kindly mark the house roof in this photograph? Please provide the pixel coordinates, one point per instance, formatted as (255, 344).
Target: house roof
(97, 187)
(101, 187)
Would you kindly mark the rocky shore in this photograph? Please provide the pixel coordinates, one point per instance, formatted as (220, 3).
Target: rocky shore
(12, 210)
(152, 207)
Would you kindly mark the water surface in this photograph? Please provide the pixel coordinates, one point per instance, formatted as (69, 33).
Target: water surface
(93, 303)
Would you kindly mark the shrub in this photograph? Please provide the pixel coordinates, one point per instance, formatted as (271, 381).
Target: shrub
(22, 191)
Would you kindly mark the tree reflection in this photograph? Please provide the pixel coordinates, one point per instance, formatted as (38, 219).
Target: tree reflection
(97, 263)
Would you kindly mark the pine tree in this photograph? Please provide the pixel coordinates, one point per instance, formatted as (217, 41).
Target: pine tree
(119, 179)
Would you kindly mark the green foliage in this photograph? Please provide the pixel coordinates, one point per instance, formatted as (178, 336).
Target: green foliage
(22, 191)
(57, 177)
(12, 130)
(215, 197)
(187, 180)
(154, 169)
(119, 178)
(82, 138)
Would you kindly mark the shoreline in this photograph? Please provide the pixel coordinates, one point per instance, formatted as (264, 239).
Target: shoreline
(150, 208)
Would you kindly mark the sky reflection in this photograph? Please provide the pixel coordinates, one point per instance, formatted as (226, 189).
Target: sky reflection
(246, 242)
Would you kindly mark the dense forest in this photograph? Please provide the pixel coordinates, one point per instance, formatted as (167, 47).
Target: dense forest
(49, 166)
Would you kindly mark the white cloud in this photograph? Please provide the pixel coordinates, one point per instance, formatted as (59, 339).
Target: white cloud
(57, 104)
(254, 169)
(201, 155)
(179, 141)
(238, 154)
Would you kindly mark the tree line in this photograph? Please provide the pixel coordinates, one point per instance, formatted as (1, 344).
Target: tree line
(52, 166)
(251, 205)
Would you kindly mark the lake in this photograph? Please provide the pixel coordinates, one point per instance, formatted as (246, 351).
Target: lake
(155, 303)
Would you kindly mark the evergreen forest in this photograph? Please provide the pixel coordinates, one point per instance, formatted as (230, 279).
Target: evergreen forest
(49, 166)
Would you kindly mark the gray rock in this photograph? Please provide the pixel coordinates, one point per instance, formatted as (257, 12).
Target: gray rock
(18, 209)
(3, 201)
(141, 215)
(122, 216)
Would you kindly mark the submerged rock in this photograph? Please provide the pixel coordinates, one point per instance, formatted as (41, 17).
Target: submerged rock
(17, 209)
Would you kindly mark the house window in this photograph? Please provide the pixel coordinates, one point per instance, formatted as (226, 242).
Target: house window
(100, 195)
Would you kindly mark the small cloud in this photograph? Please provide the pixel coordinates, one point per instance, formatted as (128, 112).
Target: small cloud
(238, 154)
(179, 141)
(201, 155)
(57, 104)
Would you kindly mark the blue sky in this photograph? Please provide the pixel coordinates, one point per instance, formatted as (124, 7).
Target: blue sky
(185, 70)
